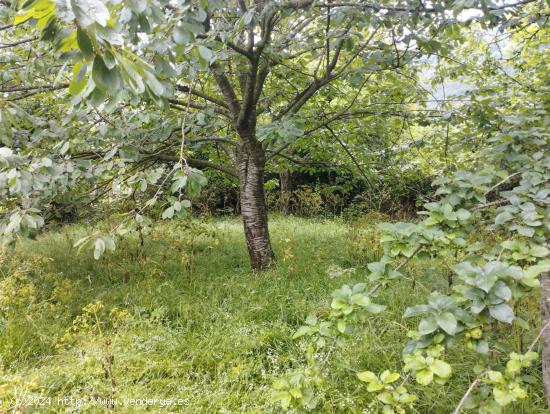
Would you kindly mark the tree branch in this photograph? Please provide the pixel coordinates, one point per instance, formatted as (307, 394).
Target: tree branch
(195, 162)
(199, 94)
(20, 42)
(227, 91)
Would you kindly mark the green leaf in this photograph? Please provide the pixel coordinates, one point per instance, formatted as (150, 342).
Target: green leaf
(281, 384)
(154, 84)
(534, 271)
(496, 377)
(205, 53)
(503, 218)
(302, 330)
(284, 398)
(360, 299)
(386, 397)
(168, 213)
(367, 376)
(441, 369)
(388, 377)
(84, 43)
(447, 322)
(424, 377)
(502, 313)
(107, 80)
(311, 319)
(88, 12)
(463, 214)
(513, 366)
(427, 326)
(416, 310)
(296, 392)
(182, 36)
(375, 386)
(374, 308)
(78, 81)
(502, 396)
(99, 248)
(502, 290)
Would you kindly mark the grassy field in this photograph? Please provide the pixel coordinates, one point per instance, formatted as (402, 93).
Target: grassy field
(183, 317)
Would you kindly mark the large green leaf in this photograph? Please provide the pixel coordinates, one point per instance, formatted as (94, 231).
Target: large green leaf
(447, 322)
(88, 12)
(107, 80)
(502, 312)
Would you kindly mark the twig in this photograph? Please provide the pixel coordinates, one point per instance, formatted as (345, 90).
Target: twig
(399, 266)
(492, 203)
(538, 337)
(502, 182)
(19, 42)
(474, 384)
(471, 388)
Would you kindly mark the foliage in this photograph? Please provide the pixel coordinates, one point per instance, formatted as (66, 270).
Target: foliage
(209, 333)
(139, 93)
(506, 190)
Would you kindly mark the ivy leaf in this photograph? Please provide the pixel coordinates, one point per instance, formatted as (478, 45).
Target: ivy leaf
(447, 322)
(502, 313)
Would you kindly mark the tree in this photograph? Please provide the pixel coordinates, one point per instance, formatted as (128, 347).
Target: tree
(249, 70)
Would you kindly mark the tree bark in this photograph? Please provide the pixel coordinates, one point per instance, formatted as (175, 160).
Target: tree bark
(285, 179)
(545, 319)
(251, 163)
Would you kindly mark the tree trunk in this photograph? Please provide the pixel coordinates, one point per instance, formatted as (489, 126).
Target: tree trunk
(285, 179)
(251, 162)
(545, 319)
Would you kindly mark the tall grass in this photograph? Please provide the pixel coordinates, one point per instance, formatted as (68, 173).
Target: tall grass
(183, 317)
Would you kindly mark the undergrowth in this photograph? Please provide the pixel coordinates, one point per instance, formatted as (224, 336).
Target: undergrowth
(178, 316)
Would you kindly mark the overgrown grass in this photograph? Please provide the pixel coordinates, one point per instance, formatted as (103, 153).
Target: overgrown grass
(184, 317)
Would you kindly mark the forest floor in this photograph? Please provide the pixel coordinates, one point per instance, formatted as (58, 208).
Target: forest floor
(183, 319)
